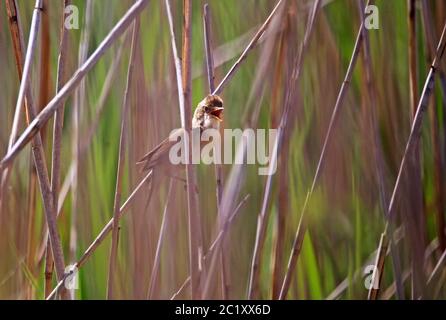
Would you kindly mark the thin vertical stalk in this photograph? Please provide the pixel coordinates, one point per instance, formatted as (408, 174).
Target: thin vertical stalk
(18, 45)
(378, 270)
(413, 83)
(302, 227)
(79, 100)
(415, 132)
(216, 244)
(177, 63)
(440, 187)
(225, 285)
(264, 213)
(438, 267)
(44, 83)
(44, 63)
(385, 240)
(43, 96)
(208, 47)
(57, 140)
(215, 248)
(37, 146)
(283, 179)
(195, 243)
(413, 141)
(185, 104)
(121, 159)
(164, 223)
(13, 14)
(234, 179)
(31, 208)
(416, 221)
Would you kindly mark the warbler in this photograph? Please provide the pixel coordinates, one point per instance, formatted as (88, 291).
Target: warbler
(207, 115)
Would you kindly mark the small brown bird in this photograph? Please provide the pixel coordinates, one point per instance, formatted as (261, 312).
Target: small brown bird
(207, 115)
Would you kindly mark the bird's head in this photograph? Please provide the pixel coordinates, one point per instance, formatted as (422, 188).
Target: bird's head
(209, 113)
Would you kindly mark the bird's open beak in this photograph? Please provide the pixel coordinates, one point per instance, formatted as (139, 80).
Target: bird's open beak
(217, 113)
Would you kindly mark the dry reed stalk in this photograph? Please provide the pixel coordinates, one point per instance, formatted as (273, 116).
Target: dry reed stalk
(385, 241)
(72, 84)
(264, 213)
(244, 54)
(37, 146)
(413, 83)
(57, 141)
(359, 273)
(195, 241)
(18, 45)
(177, 63)
(439, 184)
(86, 141)
(377, 148)
(184, 81)
(416, 125)
(163, 228)
(263, 216)
(225, 284)
(283, 179)
(14, 25)
(214, 247)
(233, 184)
(438, 164)
(416, 221)
(103, 234)
(378, 271)
(234, 181)
(108, 227)
(431, 38)
(121, 161)
(208, 47)
(391, 290)
(12, 11)
(230, 195)
(79, 99)
(43, 97)
(301, 229)
(45, 80)
(438, 267)
(31, 208)
(233, 48)
(415, 132)
(183, 287)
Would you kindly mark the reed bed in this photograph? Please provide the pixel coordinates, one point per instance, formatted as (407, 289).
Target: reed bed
(358, 196)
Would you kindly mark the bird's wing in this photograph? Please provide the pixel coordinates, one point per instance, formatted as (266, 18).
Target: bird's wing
(158, 153)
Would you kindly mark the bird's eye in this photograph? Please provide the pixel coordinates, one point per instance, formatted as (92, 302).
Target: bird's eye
(206, 108)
